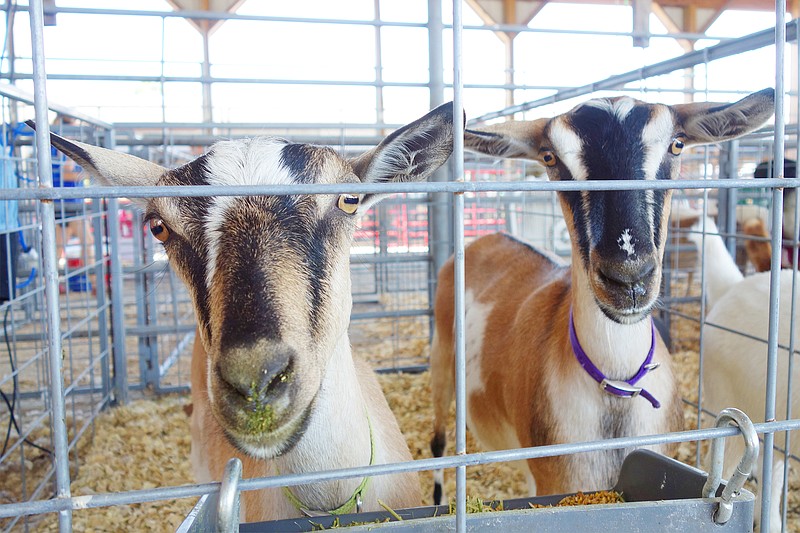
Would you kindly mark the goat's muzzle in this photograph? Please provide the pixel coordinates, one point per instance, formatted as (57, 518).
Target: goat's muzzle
(253, 393)
(627, 289)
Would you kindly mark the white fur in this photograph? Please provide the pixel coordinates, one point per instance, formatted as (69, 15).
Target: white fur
(721, 271)
(569, 147)
(476, 315)
(626, 242)
(656, 134)
(254, 161)
(620, 108)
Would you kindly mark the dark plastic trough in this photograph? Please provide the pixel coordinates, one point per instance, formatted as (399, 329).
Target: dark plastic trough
(661, 495)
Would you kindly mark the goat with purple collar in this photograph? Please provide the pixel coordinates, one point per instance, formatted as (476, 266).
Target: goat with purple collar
(560, 353)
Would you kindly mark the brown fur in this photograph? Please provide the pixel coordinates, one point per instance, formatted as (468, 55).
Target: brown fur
(758, 252)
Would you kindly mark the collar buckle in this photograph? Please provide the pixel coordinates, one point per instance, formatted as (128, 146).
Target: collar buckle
(619, 388)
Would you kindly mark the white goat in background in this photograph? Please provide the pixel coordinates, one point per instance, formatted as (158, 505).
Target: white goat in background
(734, 365)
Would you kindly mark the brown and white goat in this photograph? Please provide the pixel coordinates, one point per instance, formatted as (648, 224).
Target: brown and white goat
(525, 386)
(273, 380)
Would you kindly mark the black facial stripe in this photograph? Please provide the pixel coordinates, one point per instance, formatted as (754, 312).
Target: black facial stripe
(194, 173)
(291, 233)
(317, 263)
(575, 202)
(250, 293)
(190, 249)
(193, 260)
(613, 149)
(303, 161)
(612, 213)
(659, 199)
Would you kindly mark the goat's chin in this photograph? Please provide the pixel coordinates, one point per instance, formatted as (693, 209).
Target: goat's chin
(275, 443)
(627, 315)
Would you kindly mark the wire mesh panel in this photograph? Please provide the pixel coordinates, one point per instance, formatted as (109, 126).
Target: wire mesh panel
(26, 455)
(142, 343)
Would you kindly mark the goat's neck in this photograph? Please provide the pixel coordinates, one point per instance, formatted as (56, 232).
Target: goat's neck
(337, 435)
(721, 270)
(618, 350)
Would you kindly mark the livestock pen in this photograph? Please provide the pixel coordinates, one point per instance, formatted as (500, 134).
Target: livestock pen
(99, 329)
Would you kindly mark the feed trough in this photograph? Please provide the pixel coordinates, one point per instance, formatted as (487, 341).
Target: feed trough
(660, 493)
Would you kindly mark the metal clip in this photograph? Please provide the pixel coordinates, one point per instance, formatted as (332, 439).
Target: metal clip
(730, 417)
(228, 506)
(652, 366)
(621, 386)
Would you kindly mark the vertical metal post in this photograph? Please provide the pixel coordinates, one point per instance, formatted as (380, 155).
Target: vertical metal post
(794, 309)
(101, 300)
(208, 110)
(458, 223)
(775, 266)
(120, 378)
(50, 264)
(117, 306)
(381, 268)
(140, 247)
(727, 208)
(151, 372)
(378, 65)
(439, 229)
(641, 22)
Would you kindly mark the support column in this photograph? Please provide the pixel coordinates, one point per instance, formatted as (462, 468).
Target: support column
(439, 228)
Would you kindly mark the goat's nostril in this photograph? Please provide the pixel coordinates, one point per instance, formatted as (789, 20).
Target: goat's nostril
(257, 377)
(627, 276)
(273, 379)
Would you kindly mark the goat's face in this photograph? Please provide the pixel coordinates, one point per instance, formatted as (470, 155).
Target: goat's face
(618, 237)
(269, 275)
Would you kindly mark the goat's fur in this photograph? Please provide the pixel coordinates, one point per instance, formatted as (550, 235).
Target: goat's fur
(734, 366)
(759, 252)
(721, 270)
(273, 379)
(524, 386)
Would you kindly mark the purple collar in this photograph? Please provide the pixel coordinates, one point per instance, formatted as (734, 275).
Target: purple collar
(625, 388)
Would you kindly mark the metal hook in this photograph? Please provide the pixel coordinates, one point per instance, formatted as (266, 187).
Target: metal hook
(730, 417)
(228, 506)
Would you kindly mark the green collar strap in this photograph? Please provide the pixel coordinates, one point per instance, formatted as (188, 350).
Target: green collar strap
(352, 504)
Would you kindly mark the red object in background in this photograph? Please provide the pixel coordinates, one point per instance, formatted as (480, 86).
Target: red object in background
(125, 223)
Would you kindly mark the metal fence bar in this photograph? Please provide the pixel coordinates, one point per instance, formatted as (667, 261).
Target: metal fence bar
(50, 265)
(117, 306)
(389, 188)
(770, 392)
(473, 459)
(459, 266)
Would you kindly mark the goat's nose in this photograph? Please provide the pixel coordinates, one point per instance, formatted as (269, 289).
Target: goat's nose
(628, 275)
(258, 373)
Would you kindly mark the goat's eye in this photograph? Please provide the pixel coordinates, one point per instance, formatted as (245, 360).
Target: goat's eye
(549, 158)
(677, 146)
(348, 203)
(159, 230)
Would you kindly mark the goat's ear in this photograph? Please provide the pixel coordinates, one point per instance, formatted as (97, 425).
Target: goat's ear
(108, 166)
(411, 153)
(710, 122)
(509, 140)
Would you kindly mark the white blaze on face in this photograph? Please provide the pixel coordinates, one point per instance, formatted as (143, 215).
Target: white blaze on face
(625, 242)
(568, 147)
(254, 161)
